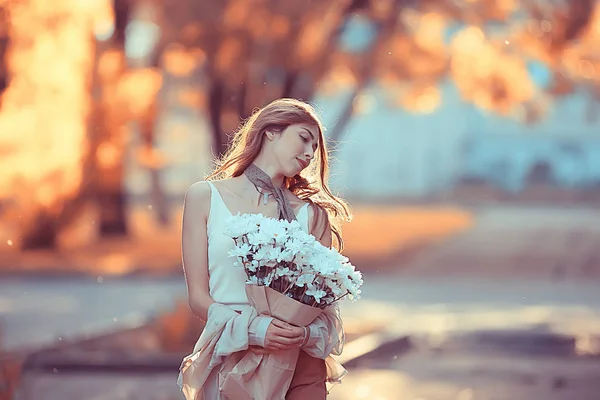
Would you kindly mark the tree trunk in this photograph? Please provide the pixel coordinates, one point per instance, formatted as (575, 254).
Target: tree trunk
(158, 198)
(3, 46)
(42, 233)
(290, 83)
(112, 121)
(346, 115)
(215, 108)
(40, 225)
(385, 29)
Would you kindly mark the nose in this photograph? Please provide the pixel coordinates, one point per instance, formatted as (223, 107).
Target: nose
(309, 153)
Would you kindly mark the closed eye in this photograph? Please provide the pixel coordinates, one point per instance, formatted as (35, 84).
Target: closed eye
(307, 139)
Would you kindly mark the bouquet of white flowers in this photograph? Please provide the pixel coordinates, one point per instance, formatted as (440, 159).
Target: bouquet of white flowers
(280, 255)
(291, 277)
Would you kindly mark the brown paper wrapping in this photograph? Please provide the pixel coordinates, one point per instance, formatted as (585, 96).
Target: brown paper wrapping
(260, 374)
(270, 302)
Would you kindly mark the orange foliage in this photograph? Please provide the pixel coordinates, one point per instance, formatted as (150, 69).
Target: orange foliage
(488, 76)
(43, 120)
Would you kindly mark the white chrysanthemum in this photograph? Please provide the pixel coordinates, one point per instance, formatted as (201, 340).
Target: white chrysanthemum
(337, 289)
(272, 230)
(242, 250)
(318, 294)
(237, 226)
(258, 239)
(252, 266)
(305, 279)
(255, 219)
(295, 245)
(262, 252)
(290, 225)
(285, 255)
(283, 271)
(304, 237)
(269, 263)
(253, 280)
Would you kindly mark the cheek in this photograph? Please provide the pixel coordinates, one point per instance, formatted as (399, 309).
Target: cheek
(294, 146)
(287, 149)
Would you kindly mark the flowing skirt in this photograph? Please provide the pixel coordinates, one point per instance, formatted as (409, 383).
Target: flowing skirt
(308, 381)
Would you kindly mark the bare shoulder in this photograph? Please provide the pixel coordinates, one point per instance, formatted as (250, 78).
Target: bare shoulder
(197, 198)
(198, 191)
(231, 185)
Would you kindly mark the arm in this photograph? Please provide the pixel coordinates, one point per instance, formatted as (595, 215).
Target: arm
(194, 248)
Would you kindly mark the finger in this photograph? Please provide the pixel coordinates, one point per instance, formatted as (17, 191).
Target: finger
(290, 327)
(288, 347)
(281, 324)
(298, 331)
(287, 341)
(287, 333)
(295, 332)
(281, 346)
(284, 325)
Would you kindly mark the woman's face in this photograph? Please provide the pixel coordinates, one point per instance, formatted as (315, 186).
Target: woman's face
(295, 147)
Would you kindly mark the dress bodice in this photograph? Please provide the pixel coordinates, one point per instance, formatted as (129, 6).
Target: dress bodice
(226, 282)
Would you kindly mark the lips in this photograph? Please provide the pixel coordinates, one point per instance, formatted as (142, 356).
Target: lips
(303, 163)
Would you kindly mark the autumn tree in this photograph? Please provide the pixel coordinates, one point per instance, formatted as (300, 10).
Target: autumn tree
(64, 115)
(43, 119)
(251, 52)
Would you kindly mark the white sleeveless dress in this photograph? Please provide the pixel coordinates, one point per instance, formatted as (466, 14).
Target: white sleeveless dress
(227, 283)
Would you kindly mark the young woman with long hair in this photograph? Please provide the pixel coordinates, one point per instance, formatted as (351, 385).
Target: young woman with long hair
(277, 165)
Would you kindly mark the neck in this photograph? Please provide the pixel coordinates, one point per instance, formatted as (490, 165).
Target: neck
(276, 177)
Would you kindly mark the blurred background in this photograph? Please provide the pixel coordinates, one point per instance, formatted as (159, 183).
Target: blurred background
(465, 134)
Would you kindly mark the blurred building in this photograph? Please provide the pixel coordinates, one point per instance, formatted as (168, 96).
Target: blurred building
(389, 152)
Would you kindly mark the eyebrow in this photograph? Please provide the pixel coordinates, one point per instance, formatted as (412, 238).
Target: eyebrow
(309, 132)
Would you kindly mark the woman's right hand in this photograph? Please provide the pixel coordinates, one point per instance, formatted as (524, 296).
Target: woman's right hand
(283, 336)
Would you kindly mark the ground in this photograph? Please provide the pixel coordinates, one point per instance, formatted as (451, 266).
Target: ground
(521, 283)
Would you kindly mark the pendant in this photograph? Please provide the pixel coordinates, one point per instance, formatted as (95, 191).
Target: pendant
(265, 198)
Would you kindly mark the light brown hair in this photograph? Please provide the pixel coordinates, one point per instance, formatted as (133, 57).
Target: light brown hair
(311, 184)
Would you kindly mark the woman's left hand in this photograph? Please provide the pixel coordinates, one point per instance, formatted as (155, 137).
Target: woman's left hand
(296, 331)
(289, 336)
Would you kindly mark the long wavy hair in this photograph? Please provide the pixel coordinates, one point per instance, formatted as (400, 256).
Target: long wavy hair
(311, 185)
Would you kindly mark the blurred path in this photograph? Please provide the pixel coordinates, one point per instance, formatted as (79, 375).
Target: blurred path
(37, 312)
(440, 367)
(34, 312)
(508, 310)
(518, 242)
(441, 307)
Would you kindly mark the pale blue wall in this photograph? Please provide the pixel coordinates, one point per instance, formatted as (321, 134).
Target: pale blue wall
(391, 152)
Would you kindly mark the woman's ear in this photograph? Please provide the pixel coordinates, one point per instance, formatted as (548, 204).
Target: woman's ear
(270, 135)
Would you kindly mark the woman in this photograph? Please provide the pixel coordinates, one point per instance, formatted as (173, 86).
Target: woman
(277, 165)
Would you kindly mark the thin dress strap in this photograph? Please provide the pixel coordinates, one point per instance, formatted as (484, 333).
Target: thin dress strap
(217, 204)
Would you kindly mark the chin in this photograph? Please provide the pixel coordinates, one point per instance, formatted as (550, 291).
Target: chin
(292, 172)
